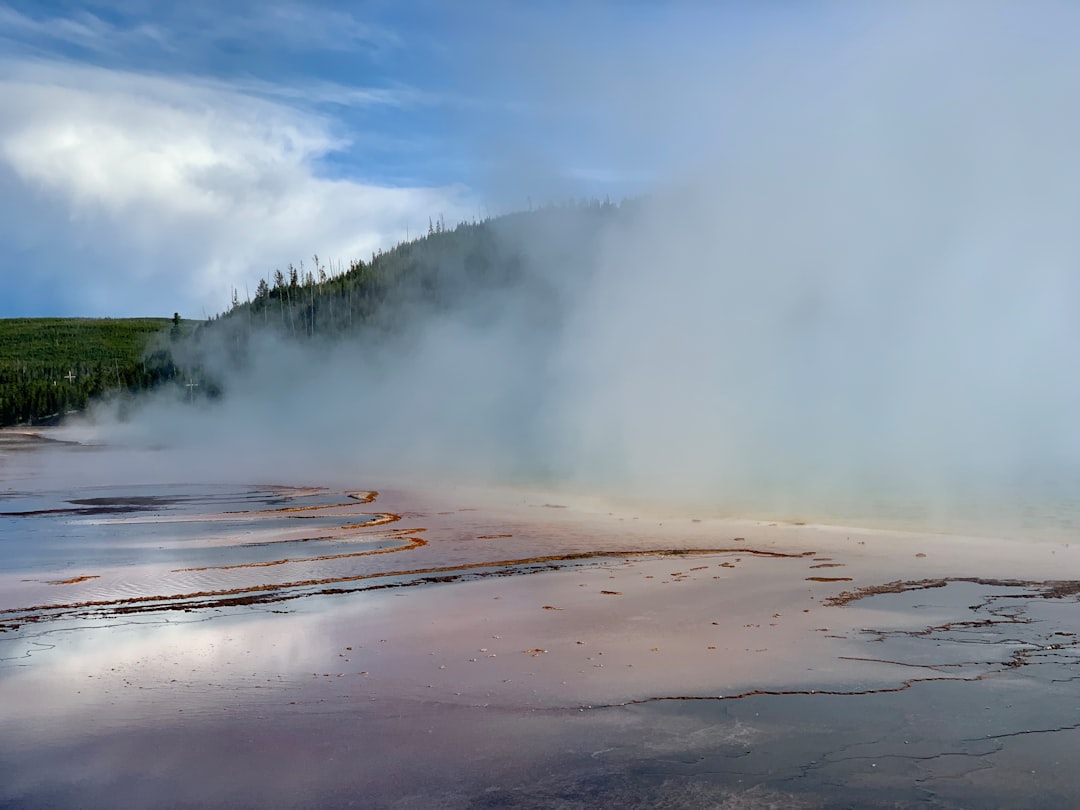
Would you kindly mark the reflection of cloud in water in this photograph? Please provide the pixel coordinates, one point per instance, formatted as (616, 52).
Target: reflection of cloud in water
(171, 537)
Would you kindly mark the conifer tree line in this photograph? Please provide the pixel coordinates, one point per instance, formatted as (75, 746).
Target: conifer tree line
(439, 270)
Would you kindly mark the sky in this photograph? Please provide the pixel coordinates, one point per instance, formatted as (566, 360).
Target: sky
(155, 156)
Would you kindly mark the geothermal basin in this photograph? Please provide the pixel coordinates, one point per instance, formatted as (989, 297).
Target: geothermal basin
(288, 643)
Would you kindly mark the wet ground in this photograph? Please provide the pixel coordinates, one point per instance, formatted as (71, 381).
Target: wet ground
(283, 645)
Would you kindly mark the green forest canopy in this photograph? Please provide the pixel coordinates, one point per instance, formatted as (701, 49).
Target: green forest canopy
(49, 366)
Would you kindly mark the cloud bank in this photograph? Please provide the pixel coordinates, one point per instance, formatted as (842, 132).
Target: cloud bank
(139, 194)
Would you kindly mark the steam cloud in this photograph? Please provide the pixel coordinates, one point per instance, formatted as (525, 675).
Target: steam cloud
(863, 290)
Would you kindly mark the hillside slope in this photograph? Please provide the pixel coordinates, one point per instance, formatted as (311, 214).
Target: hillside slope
(520, 265)
(516, 263)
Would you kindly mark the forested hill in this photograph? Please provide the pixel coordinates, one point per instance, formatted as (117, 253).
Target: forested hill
(477, 270)
(440, 270)
(49, 366)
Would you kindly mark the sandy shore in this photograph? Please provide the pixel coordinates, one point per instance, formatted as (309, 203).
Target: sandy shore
(462, 648)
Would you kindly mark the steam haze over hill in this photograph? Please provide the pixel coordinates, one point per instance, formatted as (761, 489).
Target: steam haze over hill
(851, 274)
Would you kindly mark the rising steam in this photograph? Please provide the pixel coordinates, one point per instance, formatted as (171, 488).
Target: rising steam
(862, 291)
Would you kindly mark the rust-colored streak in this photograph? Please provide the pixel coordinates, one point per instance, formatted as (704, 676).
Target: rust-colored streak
(829, 579)
(381, 520)
(339, 533)
(73, 580)
(410, 544)
(363, 497)
(493, 536)
(273, 592)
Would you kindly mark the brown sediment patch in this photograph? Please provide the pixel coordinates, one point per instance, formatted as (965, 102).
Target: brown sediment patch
(493, 536)
(1049, 589)
(828, 565)
(277, 592)
(1059, 590)
(611, 593)
(381, 519)
(829, 579)
(291, 490)
(362, 497)
(73, 580)
(14, 436)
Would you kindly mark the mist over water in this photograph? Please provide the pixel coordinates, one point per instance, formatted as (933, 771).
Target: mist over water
(857, 297)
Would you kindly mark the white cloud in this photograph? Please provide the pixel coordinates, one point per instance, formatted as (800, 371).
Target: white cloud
(163, 193)
(297, 28)
(193, 27)
(83, 30)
